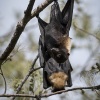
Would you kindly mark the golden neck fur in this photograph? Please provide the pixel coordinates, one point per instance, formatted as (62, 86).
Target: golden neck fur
(65, 41)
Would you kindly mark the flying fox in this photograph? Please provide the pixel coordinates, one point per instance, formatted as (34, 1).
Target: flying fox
(54, 47)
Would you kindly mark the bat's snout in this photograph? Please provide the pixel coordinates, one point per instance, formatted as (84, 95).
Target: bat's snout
(58, 55)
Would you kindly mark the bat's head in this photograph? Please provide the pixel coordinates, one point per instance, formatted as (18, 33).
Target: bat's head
(60, 55)
(58, 81)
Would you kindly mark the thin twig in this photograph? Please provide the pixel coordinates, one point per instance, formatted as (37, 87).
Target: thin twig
(88, 60)
(32, 66)
(48, 95)
(29, 73)
(27, 76)
(4, 80)
(90, 57)
(8, 59)
(41, 7)
(87, 32)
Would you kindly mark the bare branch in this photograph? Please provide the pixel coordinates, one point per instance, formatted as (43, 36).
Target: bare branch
(41, 7)
(73, 89)
(47, 95)
(21, 25)
(9, 58)
(29, 8)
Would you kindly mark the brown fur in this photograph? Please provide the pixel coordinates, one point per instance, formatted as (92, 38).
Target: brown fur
(66, 42)
(58, 80)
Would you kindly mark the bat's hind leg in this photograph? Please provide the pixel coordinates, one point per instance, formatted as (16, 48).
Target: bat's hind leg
(55, 12)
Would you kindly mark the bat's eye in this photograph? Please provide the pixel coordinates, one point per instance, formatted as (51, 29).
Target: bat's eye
(58, 55)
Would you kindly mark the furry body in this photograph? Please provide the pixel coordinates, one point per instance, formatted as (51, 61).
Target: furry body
(58, 80)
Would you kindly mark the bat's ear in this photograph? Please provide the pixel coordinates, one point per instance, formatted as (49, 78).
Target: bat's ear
(55, 12)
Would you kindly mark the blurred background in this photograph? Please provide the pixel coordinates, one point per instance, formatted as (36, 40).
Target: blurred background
(85, 52)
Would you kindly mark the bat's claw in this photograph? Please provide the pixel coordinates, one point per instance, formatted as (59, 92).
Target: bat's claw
(55, 90)
(37, 15)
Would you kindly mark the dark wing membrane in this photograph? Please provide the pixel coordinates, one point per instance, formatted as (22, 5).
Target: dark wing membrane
(46, 83)
(51, 66)
(67, 68)
(43, 55)
(41, 49)
(42, 25)
(67, 13)
(41, 52)
(43, 62)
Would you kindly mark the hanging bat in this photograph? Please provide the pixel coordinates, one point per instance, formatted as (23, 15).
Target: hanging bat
(55, 74)
(55, 34)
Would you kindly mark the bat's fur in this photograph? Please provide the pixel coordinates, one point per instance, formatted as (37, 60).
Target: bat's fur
(67, 44)
(58, 81)
(65, 41)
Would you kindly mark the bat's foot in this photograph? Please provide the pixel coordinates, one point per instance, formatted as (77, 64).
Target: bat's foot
(37, 15)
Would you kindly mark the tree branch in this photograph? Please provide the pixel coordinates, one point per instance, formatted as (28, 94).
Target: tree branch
(29, 8)
(73, 89)
(41, 7)
(21, 25)
(19, 29)
(47, 95)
